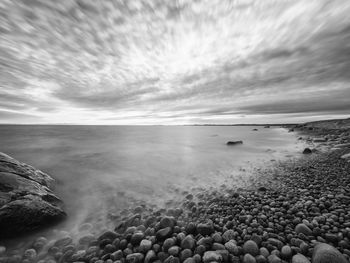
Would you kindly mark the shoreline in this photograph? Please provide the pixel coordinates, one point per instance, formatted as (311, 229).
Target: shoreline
(214, 228)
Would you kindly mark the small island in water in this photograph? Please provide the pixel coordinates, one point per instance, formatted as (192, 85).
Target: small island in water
(297, 210)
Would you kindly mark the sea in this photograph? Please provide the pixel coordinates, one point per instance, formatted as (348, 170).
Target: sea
(102, 170)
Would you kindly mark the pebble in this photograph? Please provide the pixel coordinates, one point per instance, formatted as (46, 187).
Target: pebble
(150, 256)
(212, 256)
(135, 258)
(188, 242)
(304, 229)
(2, 250)
(163, 233)
(250, 247)
(145, 245)
(228, 235)
(174, 250)
(205, 229)
(30, 254)
(299, 258)
(274, 259)
(167, 221)
(249, 259)
(286, 252)
(136, 238)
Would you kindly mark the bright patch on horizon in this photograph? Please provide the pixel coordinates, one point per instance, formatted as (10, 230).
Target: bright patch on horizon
(172, 62)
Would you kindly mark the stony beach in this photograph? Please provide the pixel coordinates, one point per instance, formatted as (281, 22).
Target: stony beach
(298, 211)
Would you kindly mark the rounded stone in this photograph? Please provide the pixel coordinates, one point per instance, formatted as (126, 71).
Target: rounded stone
(169, 242)
(304, 229)
(286, 252)
(205, 229)
(163, 233)
(250, 247)
(174, 250)
(188, 242)
(299, 258)
(30, 254)
(134, 258)
(136, 238)
(167, 221)
(249, 259)
(324, 253)
(212, 256)
(145, 245)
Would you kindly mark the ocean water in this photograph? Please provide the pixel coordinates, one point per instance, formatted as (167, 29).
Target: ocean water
(101, 170)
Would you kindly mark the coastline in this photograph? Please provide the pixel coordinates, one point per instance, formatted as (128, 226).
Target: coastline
(217, 226)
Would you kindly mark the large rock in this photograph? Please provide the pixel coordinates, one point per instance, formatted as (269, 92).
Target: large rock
(324, 253)
(26, 200)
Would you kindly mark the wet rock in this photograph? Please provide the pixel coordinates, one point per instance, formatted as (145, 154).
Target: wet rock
(26, 201)
(324, 253)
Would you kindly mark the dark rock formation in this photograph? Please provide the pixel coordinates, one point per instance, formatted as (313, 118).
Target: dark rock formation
(307, 151)
(234, 142)
(26, 200)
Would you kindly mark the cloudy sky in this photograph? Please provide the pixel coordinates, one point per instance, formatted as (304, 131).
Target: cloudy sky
(174, 62)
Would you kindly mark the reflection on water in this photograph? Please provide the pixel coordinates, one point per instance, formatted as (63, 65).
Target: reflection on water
(102, 169)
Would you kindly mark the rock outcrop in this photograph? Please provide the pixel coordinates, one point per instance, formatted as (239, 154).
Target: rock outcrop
(27, 202)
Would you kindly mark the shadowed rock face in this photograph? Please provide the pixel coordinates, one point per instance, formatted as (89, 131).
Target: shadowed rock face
(26, 200)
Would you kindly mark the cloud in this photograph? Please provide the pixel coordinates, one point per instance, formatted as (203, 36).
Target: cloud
(181, 60)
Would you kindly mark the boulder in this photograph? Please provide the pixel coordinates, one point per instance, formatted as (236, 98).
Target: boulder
(27, 202)
(234, 142)
(324, 253)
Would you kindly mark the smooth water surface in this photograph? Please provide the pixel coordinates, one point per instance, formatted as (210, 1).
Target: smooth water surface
(102, 169)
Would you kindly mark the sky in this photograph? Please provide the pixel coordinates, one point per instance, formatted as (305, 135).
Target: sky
(174, 62)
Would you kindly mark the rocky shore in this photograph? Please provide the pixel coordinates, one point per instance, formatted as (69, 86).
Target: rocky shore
(27, 202)
(297, 212)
